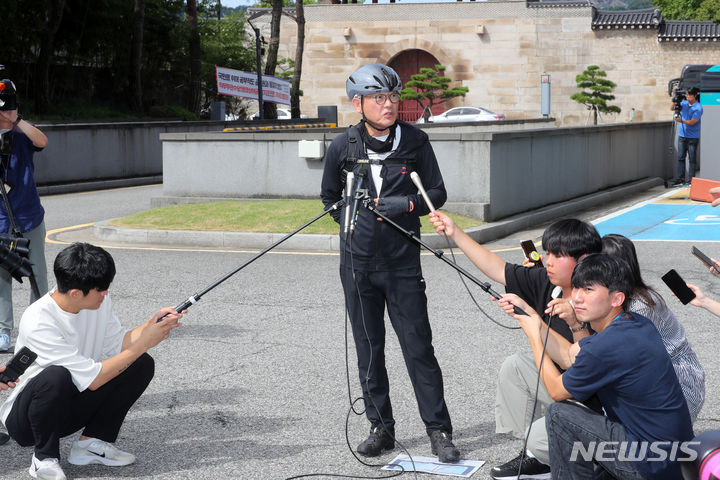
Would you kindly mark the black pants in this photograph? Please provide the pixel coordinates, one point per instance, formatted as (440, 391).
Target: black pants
(404, 293)
(51, 407)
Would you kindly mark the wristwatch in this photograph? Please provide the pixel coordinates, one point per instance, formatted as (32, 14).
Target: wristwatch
(579, 328)
(17, 120)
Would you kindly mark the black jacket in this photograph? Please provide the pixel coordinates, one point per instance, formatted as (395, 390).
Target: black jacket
(377, 245)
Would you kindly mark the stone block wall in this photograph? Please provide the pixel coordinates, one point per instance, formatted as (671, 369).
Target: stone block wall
(502, 65)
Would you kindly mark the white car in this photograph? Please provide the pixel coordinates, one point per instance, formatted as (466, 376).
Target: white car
(282, 114)
(466, 114)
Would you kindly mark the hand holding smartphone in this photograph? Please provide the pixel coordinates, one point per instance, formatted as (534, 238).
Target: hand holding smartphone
(678, 286)
(702, 257)
(17, 365)
(531, 252)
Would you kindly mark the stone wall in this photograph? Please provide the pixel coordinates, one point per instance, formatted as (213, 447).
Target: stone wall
(498, 49)
(488, 174)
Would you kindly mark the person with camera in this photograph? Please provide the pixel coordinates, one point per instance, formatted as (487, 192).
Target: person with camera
(89, 369)
(379, 267)
(688, 134)
(17, 170)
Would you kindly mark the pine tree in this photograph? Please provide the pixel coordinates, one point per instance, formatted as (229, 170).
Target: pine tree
(600, 91)
(430, 85)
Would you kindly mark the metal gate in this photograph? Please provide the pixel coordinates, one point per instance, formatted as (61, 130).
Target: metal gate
(409, 63)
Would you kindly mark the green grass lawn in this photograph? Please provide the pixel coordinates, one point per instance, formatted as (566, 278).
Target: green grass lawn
(265, 216)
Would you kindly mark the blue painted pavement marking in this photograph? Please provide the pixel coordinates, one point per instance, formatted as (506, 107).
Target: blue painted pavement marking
(671, 218)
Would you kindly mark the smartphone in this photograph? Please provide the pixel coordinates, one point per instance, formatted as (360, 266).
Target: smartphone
(17, 365)
(678, 286)
(702, 257)
(531, 252)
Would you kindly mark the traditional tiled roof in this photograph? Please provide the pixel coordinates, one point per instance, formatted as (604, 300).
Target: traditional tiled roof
(686, 31)
(624, 19)
(668, 30)
(557, 3)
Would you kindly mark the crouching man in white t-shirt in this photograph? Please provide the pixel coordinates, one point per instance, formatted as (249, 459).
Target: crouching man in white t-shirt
(69, 387)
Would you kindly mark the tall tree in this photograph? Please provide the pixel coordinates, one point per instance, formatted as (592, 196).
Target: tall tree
(270, 109)
(709, 10)
(195, 58)
(297, 63)
(136, 50)
(597, 91)
(295, 85)
(53, 18)
(679, 9)
(429, 88)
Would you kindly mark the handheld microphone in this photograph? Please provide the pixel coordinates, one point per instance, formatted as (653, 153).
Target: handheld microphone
(418, 183)
(556, 292)
(357, 196)
(348, 197)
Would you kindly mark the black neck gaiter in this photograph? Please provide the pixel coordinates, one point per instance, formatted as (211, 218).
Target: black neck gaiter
(375, 145)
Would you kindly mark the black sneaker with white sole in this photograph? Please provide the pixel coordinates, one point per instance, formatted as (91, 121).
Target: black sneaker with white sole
(531, 469)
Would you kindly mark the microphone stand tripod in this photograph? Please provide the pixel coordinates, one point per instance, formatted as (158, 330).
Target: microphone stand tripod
(194, 298)
(369, 203)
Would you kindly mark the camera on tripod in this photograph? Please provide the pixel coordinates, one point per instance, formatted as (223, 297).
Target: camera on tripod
(677, 98)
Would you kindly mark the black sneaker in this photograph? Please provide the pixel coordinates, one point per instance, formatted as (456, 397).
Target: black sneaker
(531, 468)
(4, 437)
(441, 445)
(678, 182)
(378, 440)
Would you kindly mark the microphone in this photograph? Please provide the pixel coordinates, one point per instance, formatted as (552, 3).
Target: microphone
(357, 196)
(556, 292)
(418, 183)
(348, 197)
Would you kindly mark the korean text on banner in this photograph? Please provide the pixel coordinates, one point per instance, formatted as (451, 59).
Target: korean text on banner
(244, 84)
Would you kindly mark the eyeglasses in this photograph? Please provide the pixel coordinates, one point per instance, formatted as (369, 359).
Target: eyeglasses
(381, 98)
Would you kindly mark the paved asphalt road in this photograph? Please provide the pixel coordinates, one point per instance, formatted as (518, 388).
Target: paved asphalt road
(253, 385)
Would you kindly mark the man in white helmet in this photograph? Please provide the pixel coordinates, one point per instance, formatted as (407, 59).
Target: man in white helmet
(379, 266)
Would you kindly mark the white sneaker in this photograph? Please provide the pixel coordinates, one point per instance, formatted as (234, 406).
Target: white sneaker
(5, 343)
(48, 469)
(85, 452)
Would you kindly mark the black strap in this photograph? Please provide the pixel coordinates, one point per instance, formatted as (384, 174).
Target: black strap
(351, 157)
(387, 161)
(14, 230)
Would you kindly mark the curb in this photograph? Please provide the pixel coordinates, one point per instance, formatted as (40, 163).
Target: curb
(320, 242)
(98, 185)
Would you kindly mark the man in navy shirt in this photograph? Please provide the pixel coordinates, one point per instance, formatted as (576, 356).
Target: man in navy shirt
(17, 171)
(626, 365)
(688, 133)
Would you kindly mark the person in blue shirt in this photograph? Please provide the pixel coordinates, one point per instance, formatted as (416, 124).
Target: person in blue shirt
(647, 421)
(17, 170)
(688, 134)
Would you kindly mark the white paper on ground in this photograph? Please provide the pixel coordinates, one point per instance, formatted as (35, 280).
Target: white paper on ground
(464, 468)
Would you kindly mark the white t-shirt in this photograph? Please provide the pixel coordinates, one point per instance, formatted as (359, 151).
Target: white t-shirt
(76, 341)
